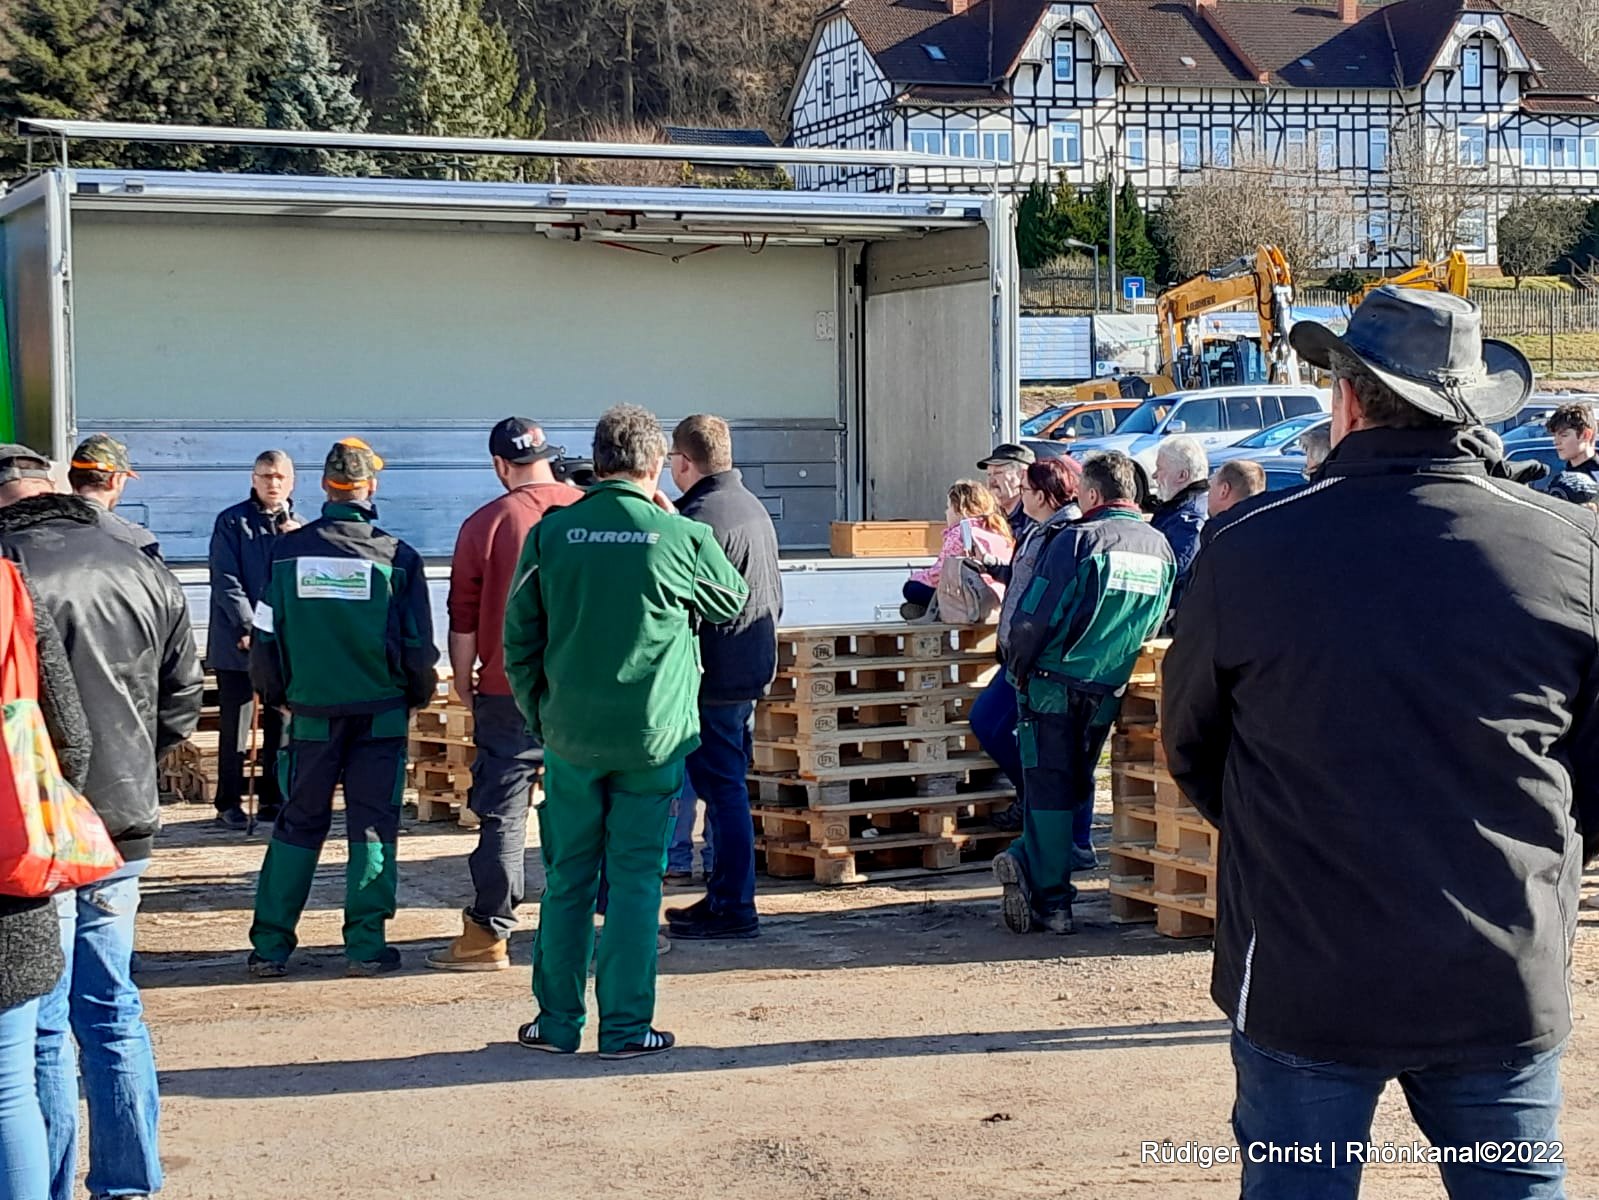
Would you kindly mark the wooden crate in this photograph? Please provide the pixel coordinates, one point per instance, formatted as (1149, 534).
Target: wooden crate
(887, 539)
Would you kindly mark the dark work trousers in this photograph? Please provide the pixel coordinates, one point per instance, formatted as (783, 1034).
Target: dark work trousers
(367, 755)
(993, 718)
(1059, 752)
(507, 763)
(236, 699)
(719, 771)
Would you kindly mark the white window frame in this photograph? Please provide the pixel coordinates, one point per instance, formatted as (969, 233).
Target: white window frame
(1478, 219)
(1377, 149)
(1473, 145)
(1471, 67)
(1326, 149)
(1065, 137)
(1137, 146)
(1294, 143)
(1564, 151)
(1188, 147)
(926, 141)
(1221, 146)
(1590, 153)
(996, 145)
(1065, 40)
(1535, 147)
(1377, 229)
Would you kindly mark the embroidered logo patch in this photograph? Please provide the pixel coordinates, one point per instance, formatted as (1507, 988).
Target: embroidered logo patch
(635, 537)
(1140, 574)
(333, 579)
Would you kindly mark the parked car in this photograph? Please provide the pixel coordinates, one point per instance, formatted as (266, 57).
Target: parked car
(1216, 416)
(1062, 422)
(1279, 439)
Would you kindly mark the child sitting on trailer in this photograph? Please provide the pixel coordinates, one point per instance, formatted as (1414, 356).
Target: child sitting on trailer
(974, 528)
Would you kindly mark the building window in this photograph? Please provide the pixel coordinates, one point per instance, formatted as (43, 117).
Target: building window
(1065, 62)
(927, 141)
(1377, 232)
(1534, 150)
(1221, 147)
(1563, 153)
(996, 147)
(1473, 145)
(1590, 153)
(1065, 142)
(1471, 66)
(1188, 148)
(961, 143)
(1471, 231)
(1137, 156)
(854, 73)
(1295, 143)
(1377, 149)
(1327, 149)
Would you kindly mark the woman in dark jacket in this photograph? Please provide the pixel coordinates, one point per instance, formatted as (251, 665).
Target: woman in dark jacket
(30, 943)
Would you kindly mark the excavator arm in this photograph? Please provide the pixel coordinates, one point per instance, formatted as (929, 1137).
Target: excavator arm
(1452, 274)
(1263, 277)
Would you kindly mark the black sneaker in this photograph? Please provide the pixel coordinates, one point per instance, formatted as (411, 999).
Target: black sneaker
(653, 1042)
(233, 818)
(1084, 858)
(383, 964)
(1060, 921)
(530, 1037)
(1010, 820)
(912, 611)
(689, 914)
(710, 926)
(267, 814)
(265, 968)
(1017, 902)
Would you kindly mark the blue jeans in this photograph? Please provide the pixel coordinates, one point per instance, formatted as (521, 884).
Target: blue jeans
(1285, 1100)
(97, 1005)
(680, 854)
(993, 720)
(24, 1165)
(719, 770)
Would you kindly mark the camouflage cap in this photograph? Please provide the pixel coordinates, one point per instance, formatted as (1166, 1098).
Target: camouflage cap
(102, 452)
(350, 464)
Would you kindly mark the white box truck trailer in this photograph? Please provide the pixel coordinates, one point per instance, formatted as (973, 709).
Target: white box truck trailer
(863, 347)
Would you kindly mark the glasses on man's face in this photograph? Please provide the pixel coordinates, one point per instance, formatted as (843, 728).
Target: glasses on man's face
(271, 477)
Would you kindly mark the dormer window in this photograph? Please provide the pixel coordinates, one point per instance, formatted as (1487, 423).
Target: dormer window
(1471, 66)
(1065, 62)
(936, 53)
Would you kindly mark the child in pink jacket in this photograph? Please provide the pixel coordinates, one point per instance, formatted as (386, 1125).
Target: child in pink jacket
(970, 504)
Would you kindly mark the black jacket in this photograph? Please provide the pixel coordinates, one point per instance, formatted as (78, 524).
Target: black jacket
(241, 563)
(125, 625)
(30, 932)
(1182, 520)
(1384, 689)
(739, 657)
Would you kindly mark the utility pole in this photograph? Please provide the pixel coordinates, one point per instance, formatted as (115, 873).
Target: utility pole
(1115, 288)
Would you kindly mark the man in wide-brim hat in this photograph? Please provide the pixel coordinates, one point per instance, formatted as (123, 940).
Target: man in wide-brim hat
(1382, 690)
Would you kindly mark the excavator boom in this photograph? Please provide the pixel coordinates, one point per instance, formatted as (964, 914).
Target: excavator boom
(1452, 274)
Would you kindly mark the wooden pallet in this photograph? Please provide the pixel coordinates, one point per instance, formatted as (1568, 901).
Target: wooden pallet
(866, 677)
(182, 775)
(445, 806)
(883, 751)
(849, 847)
(820, 717)
(886, 781)
(831, 647)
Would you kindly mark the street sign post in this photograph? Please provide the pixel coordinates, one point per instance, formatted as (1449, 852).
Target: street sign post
(1132, 288)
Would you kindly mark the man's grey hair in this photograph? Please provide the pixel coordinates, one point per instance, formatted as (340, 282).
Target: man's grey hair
(274, 458)
(628, 441)
(1186, 453)
(1317, 445)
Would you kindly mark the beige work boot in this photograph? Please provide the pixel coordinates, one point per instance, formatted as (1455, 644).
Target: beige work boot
(475, 950)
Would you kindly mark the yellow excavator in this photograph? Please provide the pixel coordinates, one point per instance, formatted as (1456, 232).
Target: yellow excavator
(1186, 362)
(1452, 274)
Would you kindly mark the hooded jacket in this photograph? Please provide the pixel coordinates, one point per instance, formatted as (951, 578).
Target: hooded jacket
(1384, 690)
(125, 625)
(739, 657)
(242, 540)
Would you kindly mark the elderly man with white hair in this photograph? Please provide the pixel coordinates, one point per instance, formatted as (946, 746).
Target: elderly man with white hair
(1182, 484)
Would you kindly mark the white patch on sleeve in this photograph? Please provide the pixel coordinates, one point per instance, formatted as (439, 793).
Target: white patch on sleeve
(333, 579)
(1137, 573)
(262, 619)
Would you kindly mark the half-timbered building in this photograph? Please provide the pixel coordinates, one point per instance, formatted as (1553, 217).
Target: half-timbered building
(1157, 91)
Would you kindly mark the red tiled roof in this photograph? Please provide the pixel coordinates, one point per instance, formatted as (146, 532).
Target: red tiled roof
(1575, 106)
(1555, 69)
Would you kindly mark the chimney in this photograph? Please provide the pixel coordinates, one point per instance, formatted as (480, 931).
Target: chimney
(1202, 4)
(1349, 11)
(957, 7)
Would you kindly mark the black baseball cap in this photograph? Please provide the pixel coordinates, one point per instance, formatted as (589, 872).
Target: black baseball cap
(1008, 452)
(521, 441)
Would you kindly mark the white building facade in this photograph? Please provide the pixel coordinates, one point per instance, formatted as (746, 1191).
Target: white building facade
(1379, 104)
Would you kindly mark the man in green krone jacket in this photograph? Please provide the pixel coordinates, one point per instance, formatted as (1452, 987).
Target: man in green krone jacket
(603, 660)
(343, 639)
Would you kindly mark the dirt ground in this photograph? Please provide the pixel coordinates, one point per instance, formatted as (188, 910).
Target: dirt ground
(882, 1042)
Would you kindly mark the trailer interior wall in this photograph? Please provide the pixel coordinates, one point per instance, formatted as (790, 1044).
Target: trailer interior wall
(30, 232)
(932, 390)
(204, 338)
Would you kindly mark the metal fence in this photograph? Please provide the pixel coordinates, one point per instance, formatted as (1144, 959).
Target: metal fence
(1046, 291)
(1506, 312)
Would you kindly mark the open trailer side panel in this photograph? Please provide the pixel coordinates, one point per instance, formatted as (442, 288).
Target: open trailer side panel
(33, 219)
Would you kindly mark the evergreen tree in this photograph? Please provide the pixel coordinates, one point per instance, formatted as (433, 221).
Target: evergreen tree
(302, 88)
(60, 59)
(1135, 251)
(1039, 237)
(456, 75)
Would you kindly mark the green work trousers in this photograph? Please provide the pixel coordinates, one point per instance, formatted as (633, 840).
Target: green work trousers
(622, 819)
(367, 755)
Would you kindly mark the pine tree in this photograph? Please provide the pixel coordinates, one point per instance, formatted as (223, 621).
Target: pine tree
(302, 88)
(457, 76)
(60, 59)
(1135, 252)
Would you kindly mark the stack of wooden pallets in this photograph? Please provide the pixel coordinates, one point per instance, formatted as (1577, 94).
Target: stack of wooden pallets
(441, 759)
(865, 763)
(1162, 852)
